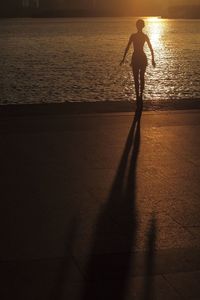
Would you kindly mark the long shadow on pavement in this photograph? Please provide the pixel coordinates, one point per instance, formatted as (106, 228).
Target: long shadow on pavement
(63, 279)
(115, 232)
(149, 286)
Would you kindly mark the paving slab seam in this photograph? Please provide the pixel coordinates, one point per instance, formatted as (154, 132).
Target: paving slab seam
(175, 290)
(102, 114)
(178, 223)
(188, 230)
(78, 267)
(124, 114)
(183, 157)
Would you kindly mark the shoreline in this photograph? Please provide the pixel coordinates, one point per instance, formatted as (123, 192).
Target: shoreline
(95, 107)
(90, 16)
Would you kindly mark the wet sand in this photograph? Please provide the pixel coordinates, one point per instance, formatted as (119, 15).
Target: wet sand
(96, 107)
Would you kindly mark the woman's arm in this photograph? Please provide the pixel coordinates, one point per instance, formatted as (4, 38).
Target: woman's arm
(151, 49)
(127, 48)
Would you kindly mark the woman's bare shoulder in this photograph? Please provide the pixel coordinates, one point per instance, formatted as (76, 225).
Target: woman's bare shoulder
(146, 37)
(132, 36)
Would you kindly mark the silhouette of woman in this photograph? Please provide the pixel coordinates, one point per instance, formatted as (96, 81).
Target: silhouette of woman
(139, 59)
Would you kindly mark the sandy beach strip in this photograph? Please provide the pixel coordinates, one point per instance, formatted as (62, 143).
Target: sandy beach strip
(95, 107)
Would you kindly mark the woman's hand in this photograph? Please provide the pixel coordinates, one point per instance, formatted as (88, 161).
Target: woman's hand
(153, 63)
(122, 62)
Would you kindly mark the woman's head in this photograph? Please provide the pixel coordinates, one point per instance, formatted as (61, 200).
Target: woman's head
(140, 24)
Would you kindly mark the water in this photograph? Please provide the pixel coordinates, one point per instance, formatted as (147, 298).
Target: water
(59, 60)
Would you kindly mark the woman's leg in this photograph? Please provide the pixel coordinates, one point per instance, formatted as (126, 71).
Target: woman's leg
(136, 80)
(142, 81)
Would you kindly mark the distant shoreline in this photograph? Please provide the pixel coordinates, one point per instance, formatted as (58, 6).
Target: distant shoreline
(44, 10)
(89, 16)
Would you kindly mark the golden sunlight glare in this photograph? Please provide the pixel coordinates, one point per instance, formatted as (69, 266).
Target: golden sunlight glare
(156, 26)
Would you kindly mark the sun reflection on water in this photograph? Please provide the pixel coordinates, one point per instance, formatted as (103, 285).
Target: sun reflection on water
(156, 28)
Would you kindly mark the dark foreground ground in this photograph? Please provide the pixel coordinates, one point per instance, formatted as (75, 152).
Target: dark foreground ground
(100, 207)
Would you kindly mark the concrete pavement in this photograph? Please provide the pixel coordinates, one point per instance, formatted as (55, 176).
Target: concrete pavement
(95, 206)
